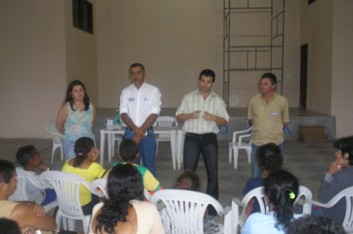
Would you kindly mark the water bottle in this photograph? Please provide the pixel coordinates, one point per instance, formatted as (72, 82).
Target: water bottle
(117, 118)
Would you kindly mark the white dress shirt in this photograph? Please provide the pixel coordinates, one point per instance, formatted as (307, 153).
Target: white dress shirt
(140, 103)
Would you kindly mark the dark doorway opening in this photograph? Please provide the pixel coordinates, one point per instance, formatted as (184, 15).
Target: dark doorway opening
(303, 75)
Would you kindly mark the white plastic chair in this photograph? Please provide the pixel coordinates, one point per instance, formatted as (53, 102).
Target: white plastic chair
(67, 187)
(238, 144)
(99, 187)
(20, 193)
(57, 139)
(347, 195)
(165, 121)
(183, 210)
(235, 218)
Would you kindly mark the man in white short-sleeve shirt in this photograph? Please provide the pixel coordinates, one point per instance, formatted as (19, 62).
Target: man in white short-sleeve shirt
(140, 104)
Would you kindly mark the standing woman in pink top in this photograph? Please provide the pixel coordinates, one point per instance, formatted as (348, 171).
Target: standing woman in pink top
(76, 117)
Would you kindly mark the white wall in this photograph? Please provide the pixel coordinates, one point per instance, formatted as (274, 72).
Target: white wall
(342, 67)
(32, 65)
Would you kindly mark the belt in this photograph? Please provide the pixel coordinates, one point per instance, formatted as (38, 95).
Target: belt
(149, 129)
(199, 135)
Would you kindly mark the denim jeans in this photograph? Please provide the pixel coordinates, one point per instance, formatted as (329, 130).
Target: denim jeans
(255, 169)
(147, 149)
(205, 144)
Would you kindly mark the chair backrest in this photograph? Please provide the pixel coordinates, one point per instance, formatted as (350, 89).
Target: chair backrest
(20, 193)
(347, 194)
(166, 121)
(50, 126)
(184, 210)
(99, 187)
(67, 187)
(237, 134)
(304, 198)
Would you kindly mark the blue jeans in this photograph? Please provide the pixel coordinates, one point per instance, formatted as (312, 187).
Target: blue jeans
(255, 169)
(147, 149)
(205, 144)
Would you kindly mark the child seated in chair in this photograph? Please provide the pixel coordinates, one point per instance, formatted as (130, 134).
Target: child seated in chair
(84, 165)
(128, 153)
(189, 180)
(29, 158)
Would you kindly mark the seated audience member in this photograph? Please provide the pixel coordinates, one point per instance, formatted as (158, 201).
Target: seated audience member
(128, 153)
(281, 190)
(310, 224)
(28, 157)
(125, 211)
(84, 165)
(189, 180)
(9, 227)
(27, 215)
(269, 159)
(338, 177)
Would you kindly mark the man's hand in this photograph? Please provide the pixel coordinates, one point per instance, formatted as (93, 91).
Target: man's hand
(335, 167)
(209, 117)
(195, 114)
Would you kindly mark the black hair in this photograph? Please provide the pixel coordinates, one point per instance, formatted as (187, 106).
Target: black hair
(281, 188)
(345, 144)
(269, 157)
(310, 224)
(83, 146)
(68, 97)
(25, 154)
(9, 226)
(124, 184)
(208, 73)
(270, 76)
(128, 150)
(137, 65)
(7, 170)
(188, 180)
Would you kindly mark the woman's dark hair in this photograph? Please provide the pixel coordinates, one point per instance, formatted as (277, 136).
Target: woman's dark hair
(83, 146)
(189, 180)
(269, 157)
(9, 226)
(124, 184)
(345, 144)
(281, 189)
(7, 170)
(69, 98)
(310, 224)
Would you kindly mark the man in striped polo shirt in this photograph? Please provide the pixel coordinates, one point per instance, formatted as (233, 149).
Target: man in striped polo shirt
(202, 111)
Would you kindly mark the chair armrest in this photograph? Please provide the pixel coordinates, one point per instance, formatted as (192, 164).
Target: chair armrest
(324, 205)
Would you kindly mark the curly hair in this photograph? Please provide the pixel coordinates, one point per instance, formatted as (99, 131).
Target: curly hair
(345, 144)
(124, 184)
(269, 157)
(83, 146)
(310, 224)
(281, 189)
(68, 96)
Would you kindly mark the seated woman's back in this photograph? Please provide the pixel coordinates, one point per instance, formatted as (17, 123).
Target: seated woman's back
(125, 211)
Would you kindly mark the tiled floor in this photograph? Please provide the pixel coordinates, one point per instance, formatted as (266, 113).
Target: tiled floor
(307, 161)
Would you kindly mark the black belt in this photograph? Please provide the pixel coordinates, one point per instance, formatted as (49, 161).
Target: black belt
(199, 135)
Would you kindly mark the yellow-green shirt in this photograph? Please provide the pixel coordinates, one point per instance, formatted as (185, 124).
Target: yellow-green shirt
(268, 119)
(94, 171)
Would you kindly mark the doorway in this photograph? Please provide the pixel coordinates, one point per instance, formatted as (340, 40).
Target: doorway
(303, 75)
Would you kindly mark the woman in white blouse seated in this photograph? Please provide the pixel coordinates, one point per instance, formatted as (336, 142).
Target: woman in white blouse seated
(125, 211)
(281, 189)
